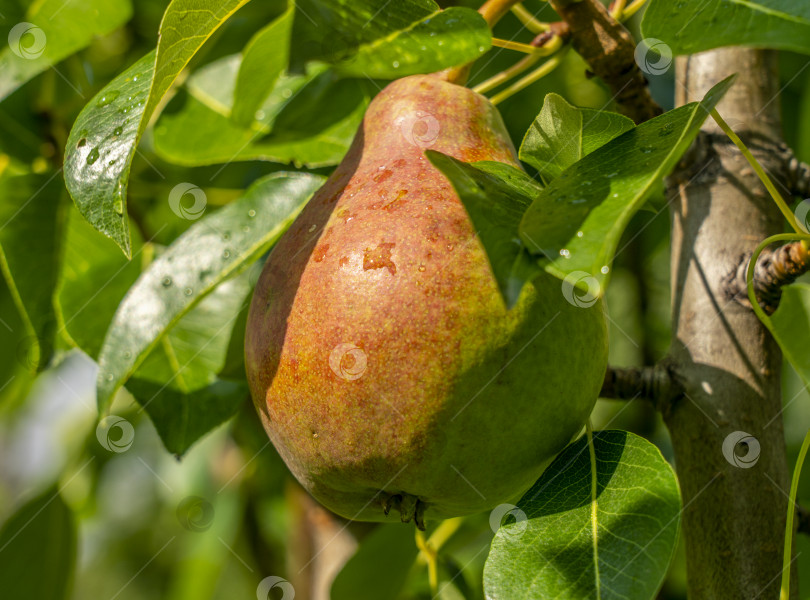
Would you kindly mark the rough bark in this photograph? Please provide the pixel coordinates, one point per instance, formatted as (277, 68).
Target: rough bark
(776, 267)
(609, 50)
(729, 366)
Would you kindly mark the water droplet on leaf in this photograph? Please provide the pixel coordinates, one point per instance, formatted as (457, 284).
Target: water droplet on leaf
(108, 98)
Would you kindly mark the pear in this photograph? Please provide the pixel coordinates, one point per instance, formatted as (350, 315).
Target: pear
(382, 360)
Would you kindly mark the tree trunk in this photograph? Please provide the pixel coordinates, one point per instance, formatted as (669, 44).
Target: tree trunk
(729, 365)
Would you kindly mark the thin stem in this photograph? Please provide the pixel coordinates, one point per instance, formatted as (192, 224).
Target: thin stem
(752, 264)
(430, 555)
(546, 68)
(526, 48)
(519, 67)
(617, 10)
(554, 44)
(794, 486)
(528, 20)
(493, 10)
(444, 532)
(632, 9)
(786, 558)
(791, 218)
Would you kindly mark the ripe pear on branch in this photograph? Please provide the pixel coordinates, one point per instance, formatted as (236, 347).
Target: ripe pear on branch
(381, 357)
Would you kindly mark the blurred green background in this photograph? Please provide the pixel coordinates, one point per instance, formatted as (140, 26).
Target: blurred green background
(227, 515)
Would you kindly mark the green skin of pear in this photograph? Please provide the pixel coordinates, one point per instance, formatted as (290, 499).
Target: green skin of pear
(380, 355)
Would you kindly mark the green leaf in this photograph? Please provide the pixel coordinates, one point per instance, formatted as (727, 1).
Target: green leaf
(379, 567)
(94, 279)
(38, 547)
(185, 27)
(329, 30)
(790, 325)
(496, 196)
(177, 383)
(211, 250)
(100, 148)
(31, 224)
(103, 139)
(444, 39)
(182, 418)
(562, 134)
(214, 85)
(386, 40)
(201, 132)
(783, 24)
(233, 368)
(264, 59)
(578, 219)
(53, 30)
(550, 551)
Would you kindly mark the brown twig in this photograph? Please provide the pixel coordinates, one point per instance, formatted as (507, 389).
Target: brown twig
(655, 384)
(775, 268)
(609, 50)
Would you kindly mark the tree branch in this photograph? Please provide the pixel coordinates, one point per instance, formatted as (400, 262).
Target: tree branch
(609, 50)
(729, 366)
(775, 268)
(648, 383)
